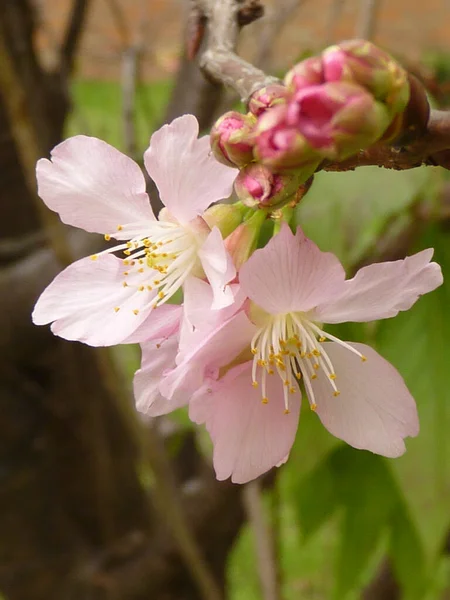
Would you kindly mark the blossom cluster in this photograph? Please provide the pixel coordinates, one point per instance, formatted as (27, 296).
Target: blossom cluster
(329, 107)
(248, 337)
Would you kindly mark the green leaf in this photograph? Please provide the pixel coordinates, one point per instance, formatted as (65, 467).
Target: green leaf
(416, 342)
(347, 212)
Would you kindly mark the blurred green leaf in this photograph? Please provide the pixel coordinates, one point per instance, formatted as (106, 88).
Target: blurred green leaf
(416, 342)
(347, 212)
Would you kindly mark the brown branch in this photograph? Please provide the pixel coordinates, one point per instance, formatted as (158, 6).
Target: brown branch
(421, 151)
(219, 61)
(73, 34)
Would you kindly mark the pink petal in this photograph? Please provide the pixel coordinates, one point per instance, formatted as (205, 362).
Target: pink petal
(219, 268)
(208, 355)
(93, 186)
(249, 437)
(157, 357)
(162, 322)
(188, 176)
(81, 300)
(291, 274)
(382, 290)
(374, 410)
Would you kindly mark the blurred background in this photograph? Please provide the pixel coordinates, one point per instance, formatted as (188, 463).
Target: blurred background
(95, 502)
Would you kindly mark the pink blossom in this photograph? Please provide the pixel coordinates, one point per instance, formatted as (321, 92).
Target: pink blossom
(102, 299)
(244, 372)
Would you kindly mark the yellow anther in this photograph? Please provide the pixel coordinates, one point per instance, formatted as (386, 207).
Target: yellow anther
(292, 390)
(255, 384)
(322, 338)
(155, 305)
(126, 262)
(261, 363)
(149, 287)
(282, 343)
(94, 257)
(116, 308)
(316, 352)
(286, 382)
(141, 270)
(270, 372)
(125, 284)
(316, 366)
(156, 282)
(141, 288)
(129, 245)
(135, 311)
(286, 411)
(119, 227)
(107, 237)
(127, 252)
(298, 376)
(265, 400)
(363, 358)
(161, 295)
(126, 273)
(309, 355)
(336, 393)
(314, 376)
(332, 375)
(313, 407)
(140, 261)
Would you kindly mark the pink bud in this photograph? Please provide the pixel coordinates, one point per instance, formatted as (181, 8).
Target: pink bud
(257, 186)
(231, 138)
(337, 119)
(279, 144)
(305, 73)
(267, 97)
(363, 63)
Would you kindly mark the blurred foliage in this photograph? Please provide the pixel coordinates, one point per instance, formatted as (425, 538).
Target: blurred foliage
(339, 511)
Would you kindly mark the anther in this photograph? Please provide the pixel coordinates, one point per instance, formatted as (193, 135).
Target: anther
(286, 411)
(363, 358)
(265, 400)
(313, 407)
(314, 376)
(127, 252)
(255, 384)
(125, 284)
(116, 308)
(160, 295)
(135, 311)
(119, 227)
(141, 288)
(336, 393)
(254, 351)
(94, 257)
(332, 375)
(107, 237)
(316, 366)
(322, 339)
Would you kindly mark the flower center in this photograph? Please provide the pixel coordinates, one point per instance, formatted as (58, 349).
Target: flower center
(291, 346)
(159, 256)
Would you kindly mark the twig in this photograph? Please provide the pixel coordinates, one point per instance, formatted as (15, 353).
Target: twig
(420, 152)
(367, 19)
(264, 543)
(72, 34)
(219, 60)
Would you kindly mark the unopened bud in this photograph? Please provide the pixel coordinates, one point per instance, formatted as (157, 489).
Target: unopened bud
(305, 73)
(231, 138)
(225, 216)
(268, 97)
(279, 144)
(257, 186)
(338, 119)
(242, 242)
(363, 63)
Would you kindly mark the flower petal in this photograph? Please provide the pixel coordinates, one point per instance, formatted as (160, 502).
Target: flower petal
(249, 437)
(291, 274)
(381, 290)
(157, 356)
(209, 354)
(162, 323)
(374, 410)
(186, 173)
(82, 299)
(219, 268)
(93, 186)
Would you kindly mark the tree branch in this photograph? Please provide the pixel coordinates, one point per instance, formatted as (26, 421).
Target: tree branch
(421, 151)
(219, 61)
(73, 33)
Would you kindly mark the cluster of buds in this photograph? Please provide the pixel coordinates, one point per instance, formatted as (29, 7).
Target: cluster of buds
(330, 107)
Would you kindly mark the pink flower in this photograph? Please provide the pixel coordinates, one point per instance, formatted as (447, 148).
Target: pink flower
(244, 372)
(102, 299)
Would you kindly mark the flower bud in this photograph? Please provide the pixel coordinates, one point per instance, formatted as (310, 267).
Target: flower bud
(242, 242)
(279, 144)
(338, 119)
(363, 63)
(267, 97)
(231, 139)
(305, 73)
(257, 186)
(225, 216)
